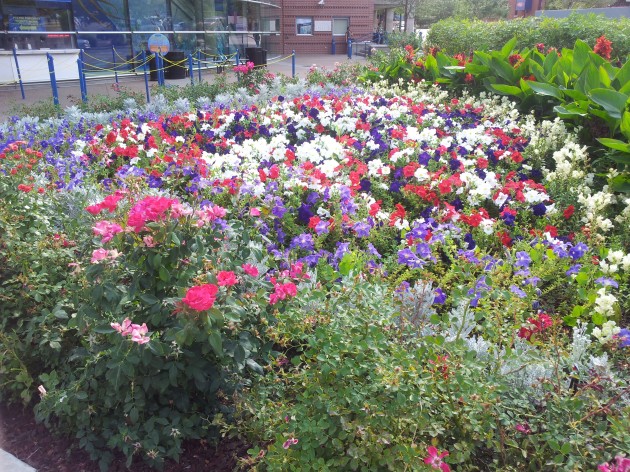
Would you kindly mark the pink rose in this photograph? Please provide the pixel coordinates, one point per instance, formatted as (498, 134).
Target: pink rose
(226, 278)
(250, 270)
(201, 297)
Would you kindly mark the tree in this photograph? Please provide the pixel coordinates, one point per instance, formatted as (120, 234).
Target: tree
(431, 11)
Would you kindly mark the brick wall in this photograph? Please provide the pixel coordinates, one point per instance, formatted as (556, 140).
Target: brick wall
(360, 13)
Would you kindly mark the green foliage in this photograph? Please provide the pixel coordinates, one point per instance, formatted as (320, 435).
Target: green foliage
(362, 391)
(454, 36)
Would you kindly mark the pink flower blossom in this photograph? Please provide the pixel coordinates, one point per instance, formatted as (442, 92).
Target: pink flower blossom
(622, 464)
(201, 297)
(250, 270)
(254, 212)
(282, 291)
(523, 428)
(149, 209)
(435, 459)
(226, 278)
(290, 442)
(107, 230)
(135, 331)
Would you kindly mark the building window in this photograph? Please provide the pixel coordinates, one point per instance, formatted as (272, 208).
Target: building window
(304, 26)
(340, 26)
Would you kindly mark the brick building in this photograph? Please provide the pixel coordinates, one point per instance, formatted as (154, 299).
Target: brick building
(311, 26)
(521, 8)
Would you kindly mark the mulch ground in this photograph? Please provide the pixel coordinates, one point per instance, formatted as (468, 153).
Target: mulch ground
(33, 444)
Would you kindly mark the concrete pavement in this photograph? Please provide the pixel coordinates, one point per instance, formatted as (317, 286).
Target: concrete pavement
(69, 91)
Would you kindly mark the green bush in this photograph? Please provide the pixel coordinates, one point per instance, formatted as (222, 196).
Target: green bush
(369, 381)
(454, 36)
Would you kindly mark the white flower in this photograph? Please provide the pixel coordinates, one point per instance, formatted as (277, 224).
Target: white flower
(606, 332)
(604, 304)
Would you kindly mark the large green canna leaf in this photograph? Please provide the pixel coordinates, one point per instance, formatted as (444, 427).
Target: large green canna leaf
(622, 76)
(615, 144)
(581, 57)
(542, 88)
(507, 49)
(625, 124)
(614, 103)
(588, 80)
(510, 90)
(503, 69)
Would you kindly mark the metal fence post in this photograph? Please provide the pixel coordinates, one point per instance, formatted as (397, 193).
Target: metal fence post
(53, 80)
(199, 64)
(293, 63)
(349, 49)
(146, 78)
(83, 97)
(191, 71)
(82, 76)
(114, 60)
(17, 67)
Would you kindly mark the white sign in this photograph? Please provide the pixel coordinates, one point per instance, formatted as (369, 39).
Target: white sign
(323, 25)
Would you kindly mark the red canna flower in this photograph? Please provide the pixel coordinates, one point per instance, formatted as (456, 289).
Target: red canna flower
(603, 47)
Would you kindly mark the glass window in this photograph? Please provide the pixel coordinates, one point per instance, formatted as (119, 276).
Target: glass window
(149, 15)
(340, 26)
(304, 25)
(95, 15)
(187, 15)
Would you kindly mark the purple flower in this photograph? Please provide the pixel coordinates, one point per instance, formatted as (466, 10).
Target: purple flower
(574, 269)
(517, 291)
(607, 282)
(533, 281)
(539, 210)
(407, 257)
(304, 213)
(303, 241)
(321, 227)
(522, 259)
(577, 251)
(372, 250)
(624, 337)
(440, 297)
(362, 229)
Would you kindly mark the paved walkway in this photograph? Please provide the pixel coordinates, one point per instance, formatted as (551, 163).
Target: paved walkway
(69, 91)
(9, 463)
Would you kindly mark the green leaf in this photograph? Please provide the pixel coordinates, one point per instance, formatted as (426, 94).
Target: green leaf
(588, 80)
(625, 124)
(165, 276)
(620, 183)
(507, 49)
(216, 343)
(598, 318)
(622, 77)
(581, 56)
(175, 239)
(613, 102)
(507, 90)
(503, 69)
(604, 78)
(347, 263)
(569, 112)
(615, 144)
(149, 299)
(254, 366)
(545, 89)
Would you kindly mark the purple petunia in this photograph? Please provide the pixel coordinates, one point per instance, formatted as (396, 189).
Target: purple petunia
(607, 282)
(624, 337)
(522, 259)
(578, 251)
(517, 291)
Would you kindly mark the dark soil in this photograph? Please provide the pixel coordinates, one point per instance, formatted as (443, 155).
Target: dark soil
(33, 444)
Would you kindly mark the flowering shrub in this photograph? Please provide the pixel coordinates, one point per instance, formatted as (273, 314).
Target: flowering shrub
(352, 232)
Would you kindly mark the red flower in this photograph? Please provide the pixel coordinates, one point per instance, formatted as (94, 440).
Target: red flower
(250, 270)
(568, 213)
(603, 47)
(226, 278)
(540, 47)
(25, 188)
(201, 297)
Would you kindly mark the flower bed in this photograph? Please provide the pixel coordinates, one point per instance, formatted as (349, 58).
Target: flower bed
(324, 239)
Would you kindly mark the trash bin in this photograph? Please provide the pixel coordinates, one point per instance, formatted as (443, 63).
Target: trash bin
(257, 55)
(172, 71)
